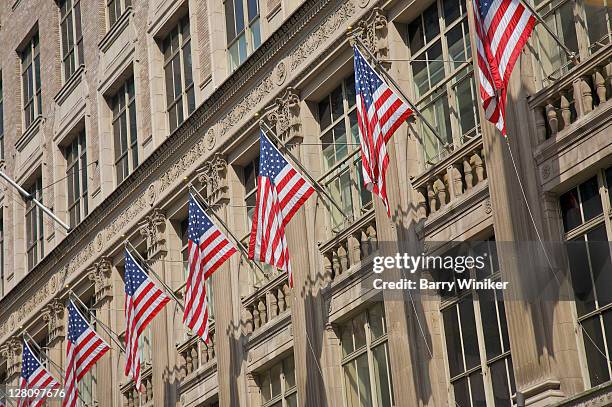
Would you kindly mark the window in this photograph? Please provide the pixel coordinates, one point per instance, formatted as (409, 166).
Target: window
(243, 31)
(566, 18)
(72, 36)
(30, 81)
(180, 93)
(365, 360)
(277, 385)
(116, 8)
(477, 343)
(445, 91)
(125, 132)
(34, 225)
(1, 120)
(341, 153)
(76, 175)
(586, 221)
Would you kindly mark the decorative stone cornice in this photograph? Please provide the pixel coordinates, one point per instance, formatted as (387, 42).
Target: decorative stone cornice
(372, 31)
(53, 315)
(285, 118)
(11, 351)
(213, 176)
(153, 228)
(100, 274)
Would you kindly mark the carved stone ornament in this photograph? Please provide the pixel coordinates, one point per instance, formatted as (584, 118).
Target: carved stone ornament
(286, 116)
(372, 31)
(53, 315)
(100, 274)
(213, 176)
(11, 351)
(210, 139)
(153, 228)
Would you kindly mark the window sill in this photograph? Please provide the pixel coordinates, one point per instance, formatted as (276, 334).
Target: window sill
(115, 30)
(69, 85)
(29, 133)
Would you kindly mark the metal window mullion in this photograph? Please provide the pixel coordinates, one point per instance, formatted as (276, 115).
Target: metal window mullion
(128, 126)
(480, 334)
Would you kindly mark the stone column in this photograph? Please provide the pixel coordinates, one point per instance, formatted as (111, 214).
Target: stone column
(407, 350)
(53, 315)
(539, 332)
(306, 315)
(106, 375)
(228, 347)
(11, 351)
(164, 356)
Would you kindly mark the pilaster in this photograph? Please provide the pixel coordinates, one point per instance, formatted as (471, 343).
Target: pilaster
(53, 315)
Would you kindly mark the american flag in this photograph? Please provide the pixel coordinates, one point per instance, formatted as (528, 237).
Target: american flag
(143, 300)
(34, 376)
(379, 113)
(208, 249)
(281, 191)
(502, 29)
(84, 349)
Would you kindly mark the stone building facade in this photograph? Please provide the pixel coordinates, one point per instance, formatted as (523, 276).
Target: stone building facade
(110, 108)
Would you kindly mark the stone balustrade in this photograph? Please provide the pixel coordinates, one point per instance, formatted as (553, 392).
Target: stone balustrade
(350, 247)
(455, 175)
(268, 302)
(581, 91)
(132, 397)
(194, 353)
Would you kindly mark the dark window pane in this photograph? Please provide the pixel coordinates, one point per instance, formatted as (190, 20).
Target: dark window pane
(477, 387)
(451, 10)
(570, 210)
(453, 341)
(599, 252)
(490, 324)
(462, 392)
(609, 182)
(499, 377)
(253, 9)
(415, 35)
(230, 25)
(431, 22)
(239, 16)
(581, 276)
(468, 330)
(337, 106)
(591, 201)
(593, 346)
(324, 113)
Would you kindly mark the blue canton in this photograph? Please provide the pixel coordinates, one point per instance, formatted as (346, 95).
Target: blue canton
(366, 80)
(271, 162)
(199, 222)
(134, 274)
(29, 363)
(76, 323)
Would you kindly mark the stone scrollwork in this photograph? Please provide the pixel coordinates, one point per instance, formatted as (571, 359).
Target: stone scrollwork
(11, 351)
(372, 31)
(213, 176)
(153, 228)
(285, 118)
(100, 274)
(53, 315)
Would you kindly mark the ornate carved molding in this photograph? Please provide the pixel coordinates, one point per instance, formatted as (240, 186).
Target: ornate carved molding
(153, 228)
(11, 351)
(213, 176)
(100, 274)
(285, 118)
(53, 315)
(373, 31)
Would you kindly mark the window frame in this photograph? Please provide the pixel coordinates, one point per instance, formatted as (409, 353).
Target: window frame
(34, 225)
(349, 164)
(250, 32)
(584, 227)
(186, 97)
(444, 90)
(371, 344)
(118, 8)
(285, 391)
(31, 81)
(126, 160)
(71, 42)
(76, 171)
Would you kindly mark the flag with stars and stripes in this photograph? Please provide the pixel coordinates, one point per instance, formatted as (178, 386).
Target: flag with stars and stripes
(502, 30)
(379, 113)
(34, 376)
(84, 349)
(143, 301)
(281, 191)
(208, 249)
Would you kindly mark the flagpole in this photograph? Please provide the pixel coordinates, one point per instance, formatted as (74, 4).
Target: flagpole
(446, 145)
(200, 200)
(27, 336)
(571, 54)
(114, 337)
(169, 291)
(315, 183)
